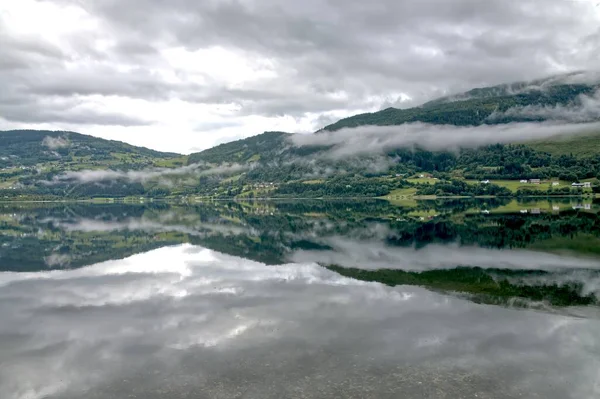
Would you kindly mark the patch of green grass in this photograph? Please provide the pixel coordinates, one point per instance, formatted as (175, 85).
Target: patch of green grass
(578, 145)
(423, 180)
(171, 162)
(515, 185)
(254, 158)
(8, 183)
(402, 192)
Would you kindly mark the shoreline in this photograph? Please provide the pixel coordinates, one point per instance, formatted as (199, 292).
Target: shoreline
(185, 199)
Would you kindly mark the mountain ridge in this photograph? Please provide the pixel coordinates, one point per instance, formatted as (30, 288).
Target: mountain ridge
(67, 164)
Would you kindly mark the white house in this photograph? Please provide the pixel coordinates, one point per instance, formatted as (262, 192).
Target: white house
(485, 182)
(555, 183)
(522, 181)
(584, 184)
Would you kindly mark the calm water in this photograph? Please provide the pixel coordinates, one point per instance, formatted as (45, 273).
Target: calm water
(300, 300)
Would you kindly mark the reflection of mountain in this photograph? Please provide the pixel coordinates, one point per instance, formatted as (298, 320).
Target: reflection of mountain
(397, 245)
(58, 236)
(495, 286)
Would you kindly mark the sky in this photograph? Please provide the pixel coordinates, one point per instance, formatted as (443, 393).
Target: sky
(185, 75)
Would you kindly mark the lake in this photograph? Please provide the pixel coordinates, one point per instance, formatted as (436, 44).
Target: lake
(481, 298)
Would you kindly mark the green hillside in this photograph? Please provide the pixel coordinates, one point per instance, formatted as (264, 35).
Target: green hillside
(472, 109)
(246, 150)
(271, 165)
(31, 147)
(587, 146)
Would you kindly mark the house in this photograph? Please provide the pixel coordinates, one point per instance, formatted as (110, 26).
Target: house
(485, 182)
(582, 206)
(555, 183)
(536, 211)
(534, 181)
(584, 184)
(522, 181)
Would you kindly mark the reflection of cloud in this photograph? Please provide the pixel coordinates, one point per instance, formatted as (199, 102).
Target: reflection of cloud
(182, 320)
(143, 224)
(376, 255)
(57, 259)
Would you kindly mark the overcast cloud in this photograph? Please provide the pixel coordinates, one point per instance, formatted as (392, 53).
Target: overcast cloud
(373, 140)
(186, 74)
(141, 176)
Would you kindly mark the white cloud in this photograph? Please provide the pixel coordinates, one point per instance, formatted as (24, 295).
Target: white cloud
(140, 176)
(380, 139)
(55, 142)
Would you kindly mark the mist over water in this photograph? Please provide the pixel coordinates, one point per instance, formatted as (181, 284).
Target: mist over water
(234, 300)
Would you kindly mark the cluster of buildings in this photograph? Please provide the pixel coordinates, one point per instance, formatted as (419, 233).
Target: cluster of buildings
(264, 185)
(586, 184)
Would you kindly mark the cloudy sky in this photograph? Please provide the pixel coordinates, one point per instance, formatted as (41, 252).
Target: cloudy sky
(184, 75)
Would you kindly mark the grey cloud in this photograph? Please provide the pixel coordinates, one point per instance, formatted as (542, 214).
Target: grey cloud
(330, 55)
(57, 114)
(380, 139)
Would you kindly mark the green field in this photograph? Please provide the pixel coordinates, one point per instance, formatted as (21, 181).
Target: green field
(423, 180)
(402, 192)
(581, 145)
(514, 185)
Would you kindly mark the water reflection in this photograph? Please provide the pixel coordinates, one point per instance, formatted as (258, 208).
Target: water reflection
(183, 321)
(258, 300)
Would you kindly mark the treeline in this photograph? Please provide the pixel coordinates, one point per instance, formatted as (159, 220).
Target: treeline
(339, 187)
(459, 187)
(498, 161)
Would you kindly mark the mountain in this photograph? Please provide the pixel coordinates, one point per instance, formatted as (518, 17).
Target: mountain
(272, 164)
(31, 147)
(306, 171)
(29, 159)
(250, 149)
(479, 106)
